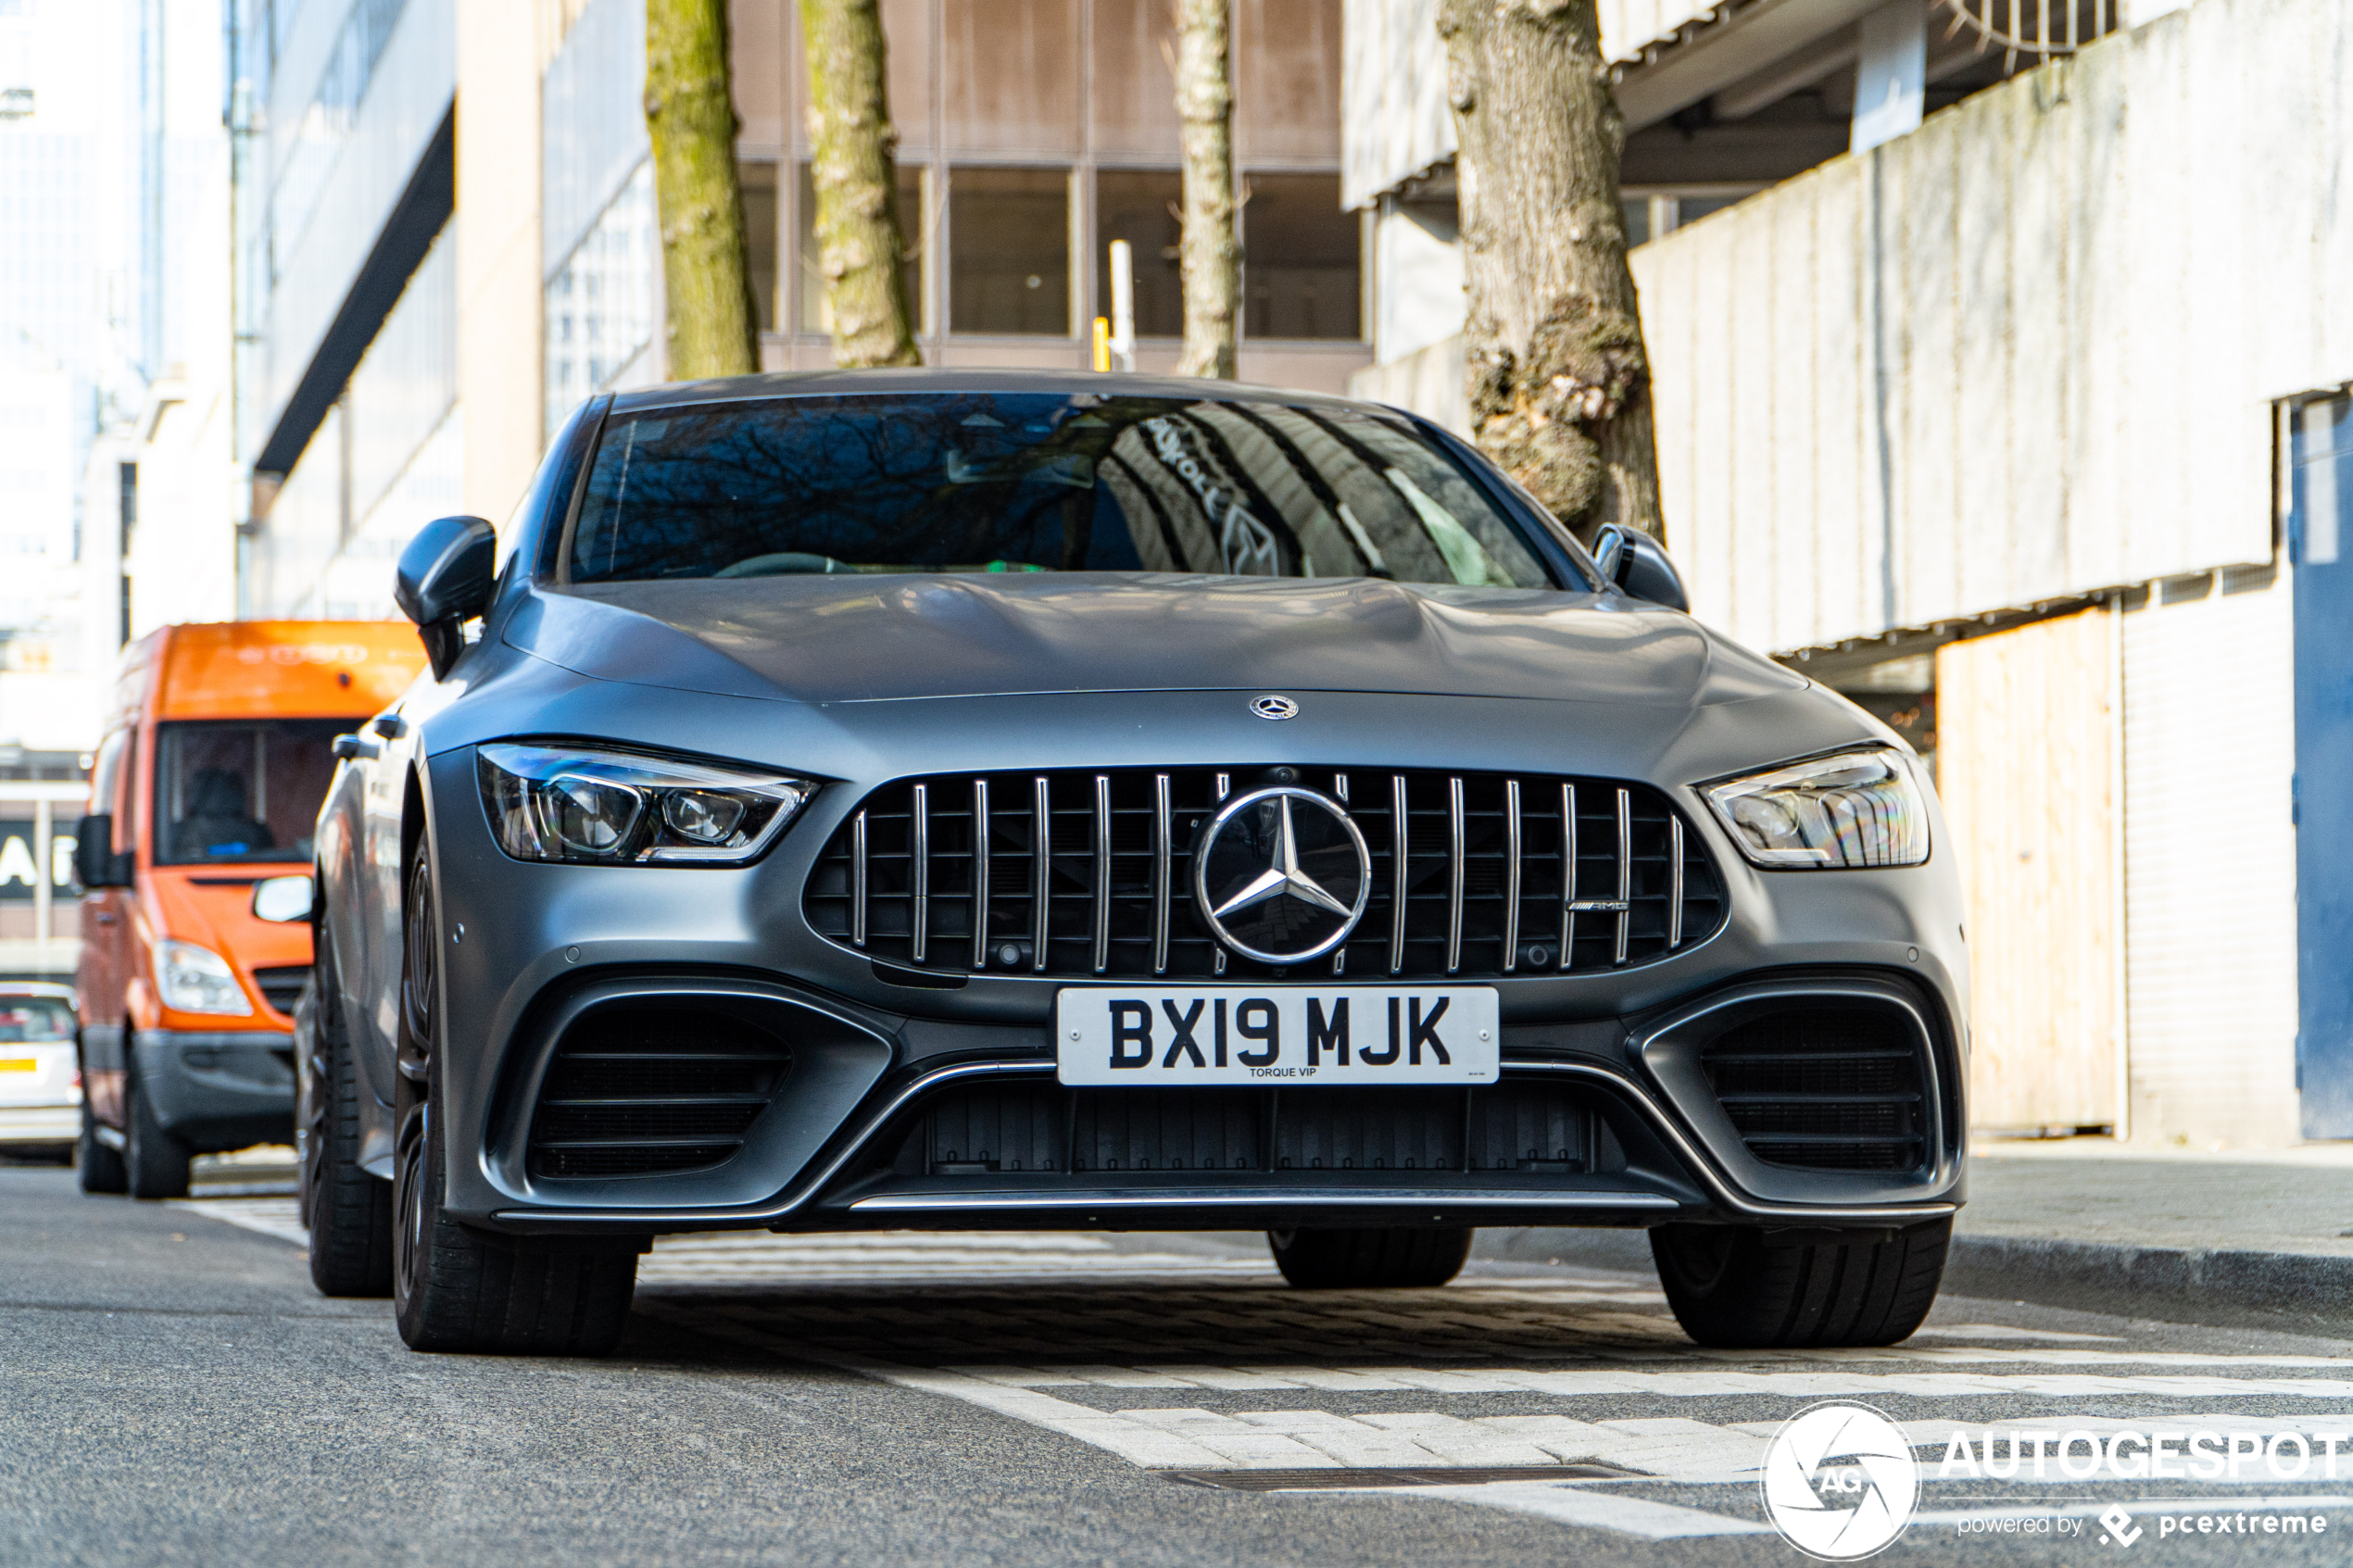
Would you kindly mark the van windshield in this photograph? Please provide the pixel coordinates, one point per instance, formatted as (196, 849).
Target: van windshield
(1031, 481)
(243, 789)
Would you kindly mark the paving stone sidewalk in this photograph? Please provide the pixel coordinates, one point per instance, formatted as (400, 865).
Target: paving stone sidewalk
(2265, 1235)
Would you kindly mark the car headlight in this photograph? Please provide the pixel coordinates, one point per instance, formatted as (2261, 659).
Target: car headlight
(554, 802)
(195, 979)
(1861, 807)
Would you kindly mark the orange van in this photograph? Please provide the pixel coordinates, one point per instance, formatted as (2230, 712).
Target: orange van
(219, 744)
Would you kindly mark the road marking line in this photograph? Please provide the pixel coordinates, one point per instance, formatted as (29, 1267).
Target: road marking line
(1572, 1503)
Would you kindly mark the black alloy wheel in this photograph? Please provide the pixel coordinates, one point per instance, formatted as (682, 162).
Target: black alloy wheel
(1734, 1287)
(348, 1211)
(155, 1163)
(454, 1287)
(97, 1167)
(1370, 1257)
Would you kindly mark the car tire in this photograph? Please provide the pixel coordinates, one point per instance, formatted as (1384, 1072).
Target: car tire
(155, 1163)
(1732, 1289)
(454, 1287)
(347, 1210)
(98, 1168)
(1371, 1258)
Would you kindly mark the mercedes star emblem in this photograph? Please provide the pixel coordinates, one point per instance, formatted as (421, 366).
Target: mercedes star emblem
(1282, 875)
(1275, 708)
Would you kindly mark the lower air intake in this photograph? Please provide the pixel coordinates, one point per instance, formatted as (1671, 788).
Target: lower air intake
(647, 1091)
(1825, 1089)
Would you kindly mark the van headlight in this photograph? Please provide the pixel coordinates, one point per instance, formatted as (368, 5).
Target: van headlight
(1861, 807)
(556, 802)
(195, 979)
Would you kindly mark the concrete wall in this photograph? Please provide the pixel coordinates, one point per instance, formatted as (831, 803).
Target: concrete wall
(2209, 867)
(2027, 351)
(1394, 116)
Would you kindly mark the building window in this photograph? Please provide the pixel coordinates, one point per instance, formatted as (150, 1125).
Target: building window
(816, 314)
(1301, 273)
(601, 304)
(758, 181)
(1009, 251)
(1140, 205)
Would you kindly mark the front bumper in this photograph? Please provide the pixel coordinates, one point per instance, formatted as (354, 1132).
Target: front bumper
(215, 1091)
(542, 942)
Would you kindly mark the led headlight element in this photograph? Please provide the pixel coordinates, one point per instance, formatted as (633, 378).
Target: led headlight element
(557, 802)
(195, 979)
(1862, 808)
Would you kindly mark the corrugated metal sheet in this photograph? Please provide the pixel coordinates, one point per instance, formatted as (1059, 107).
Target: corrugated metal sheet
(2209, 878)
(2026, 352)
(1393, 109)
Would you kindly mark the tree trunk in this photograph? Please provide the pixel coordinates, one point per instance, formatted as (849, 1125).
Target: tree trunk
(690, 118)
(1208, 258)
(1559, 382)
(860, 241)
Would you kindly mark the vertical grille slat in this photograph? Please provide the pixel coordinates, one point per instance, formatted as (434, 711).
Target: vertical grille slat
(1398, 873)
(1041, 876)
(1625, 874)
(1161, 855)
(1472, 874)
(1102, 871)
(1568, 874)
(980, 873)
(1454, 868)
(919, 928)
(1511, 875)
(857, 878)
(1674, 882)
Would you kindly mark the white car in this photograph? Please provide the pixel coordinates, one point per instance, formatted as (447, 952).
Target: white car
(40, 1079)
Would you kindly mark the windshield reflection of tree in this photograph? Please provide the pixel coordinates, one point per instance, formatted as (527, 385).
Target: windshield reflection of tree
(929, 482)
(982, 481)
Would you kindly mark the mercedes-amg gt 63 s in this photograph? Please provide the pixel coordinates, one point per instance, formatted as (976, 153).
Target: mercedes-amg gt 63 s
(939, 799)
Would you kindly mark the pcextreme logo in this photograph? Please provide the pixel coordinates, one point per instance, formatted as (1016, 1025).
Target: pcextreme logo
(1839, 1482)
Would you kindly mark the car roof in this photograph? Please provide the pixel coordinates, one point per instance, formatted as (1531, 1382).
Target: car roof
(1063, 383)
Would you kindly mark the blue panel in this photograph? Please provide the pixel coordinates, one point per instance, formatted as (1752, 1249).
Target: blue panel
(2320, 542)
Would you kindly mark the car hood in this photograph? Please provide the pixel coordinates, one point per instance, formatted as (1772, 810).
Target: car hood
(869, 638)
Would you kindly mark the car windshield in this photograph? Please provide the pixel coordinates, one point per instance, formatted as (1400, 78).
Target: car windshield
(241, 790)
(1001, 481)
(32, 1020)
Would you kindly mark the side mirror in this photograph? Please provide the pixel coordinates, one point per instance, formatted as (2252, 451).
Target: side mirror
(95, 864)
(444, 581)
(1633, 561)
(282, 900)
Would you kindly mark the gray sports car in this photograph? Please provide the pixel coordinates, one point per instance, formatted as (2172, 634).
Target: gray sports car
(935, 799)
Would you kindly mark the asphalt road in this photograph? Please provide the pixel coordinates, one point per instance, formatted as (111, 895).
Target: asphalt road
(173, 1391)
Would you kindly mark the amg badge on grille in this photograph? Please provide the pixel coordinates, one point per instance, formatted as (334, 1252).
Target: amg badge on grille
(1282, 875)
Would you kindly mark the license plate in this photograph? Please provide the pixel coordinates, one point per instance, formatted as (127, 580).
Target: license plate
(19, 1064)
(1275, 1034)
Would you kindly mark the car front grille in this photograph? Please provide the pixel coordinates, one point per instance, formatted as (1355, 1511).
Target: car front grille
(1827, 1089)
(281, 986)
(1538, 1129)
(1500, 875)
(652, 1091)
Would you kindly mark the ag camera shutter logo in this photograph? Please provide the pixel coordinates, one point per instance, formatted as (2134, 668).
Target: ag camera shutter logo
(1839, 1482)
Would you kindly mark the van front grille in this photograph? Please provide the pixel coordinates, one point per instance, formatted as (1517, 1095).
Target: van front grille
(1083, 873)
(281, 986)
